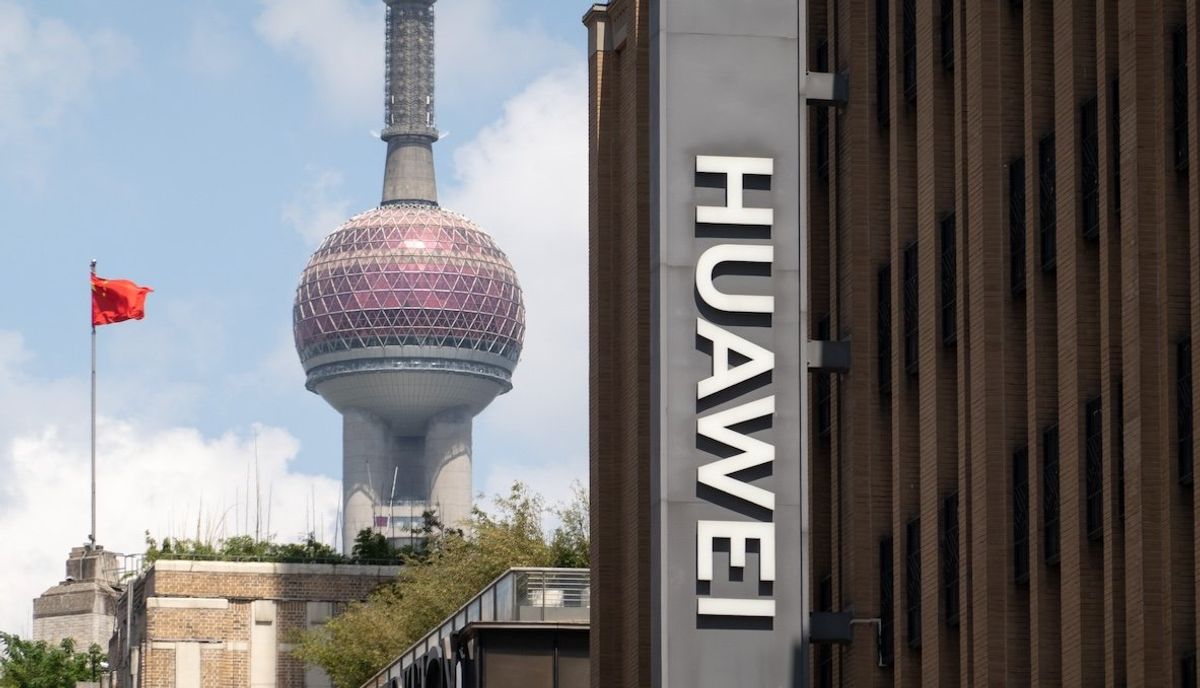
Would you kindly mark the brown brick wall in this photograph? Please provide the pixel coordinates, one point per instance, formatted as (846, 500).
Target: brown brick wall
(619, 342)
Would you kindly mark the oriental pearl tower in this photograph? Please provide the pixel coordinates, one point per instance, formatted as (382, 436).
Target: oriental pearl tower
(409, 318)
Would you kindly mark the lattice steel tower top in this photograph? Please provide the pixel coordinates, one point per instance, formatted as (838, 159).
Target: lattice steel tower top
(409, 319)
(408, 102)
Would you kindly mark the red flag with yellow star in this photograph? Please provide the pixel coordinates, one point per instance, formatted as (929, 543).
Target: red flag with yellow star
(114, 301)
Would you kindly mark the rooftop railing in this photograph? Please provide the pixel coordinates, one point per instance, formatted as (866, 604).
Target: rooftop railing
(521, 595)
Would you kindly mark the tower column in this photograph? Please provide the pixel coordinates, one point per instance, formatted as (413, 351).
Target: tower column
(365, 456)
(448, 465)
(408, 175)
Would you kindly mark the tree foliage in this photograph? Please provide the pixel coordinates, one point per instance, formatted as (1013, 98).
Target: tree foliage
(242, 547)
(451, 568)
(38, 664)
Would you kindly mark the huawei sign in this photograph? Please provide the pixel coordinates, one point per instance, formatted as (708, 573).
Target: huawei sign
(735, 360)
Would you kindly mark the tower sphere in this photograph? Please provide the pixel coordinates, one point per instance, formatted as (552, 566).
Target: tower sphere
(407, 310)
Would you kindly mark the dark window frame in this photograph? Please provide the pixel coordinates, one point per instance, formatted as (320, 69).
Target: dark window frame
(946, 32)
(887, 582)
(824, 659)
(1115, 115)
(882, 65)
(911, 309)
(949, 547)
(1187, 669)
(1048, 203)
(821, 120)
(1089, 178)
(909, 48)
(883, 325)
(949, 280)
(912, 581)
(1185, 450)
(1093, 423)
(1051, 503)
(1020, 498)
(823, 387)
(1016, 225)
(1179, 96)
(1120, 439)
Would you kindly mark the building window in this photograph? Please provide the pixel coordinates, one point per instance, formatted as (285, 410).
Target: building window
(1179, 91)
(823, 388)
(883, 323)
(1089, 182)
(911, 315)
(1183, 410)
(882, 41)
(950, 557)
(946, 24)
(1119, 419)
(1016, 225)
(1115, 114)
(1187, 670)
(821, 120)
(825, 650)
(1094, 471)
(949, 277)
(1051, 536)
(1047, 203)
(910, 50)
(886, 606)
(1020, 497)
(912, 587)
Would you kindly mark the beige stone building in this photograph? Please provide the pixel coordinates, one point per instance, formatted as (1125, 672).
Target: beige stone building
(211, 623)
(82, 606)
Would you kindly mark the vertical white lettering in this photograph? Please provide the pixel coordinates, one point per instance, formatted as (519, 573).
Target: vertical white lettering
(723, 376)
(735, 169)
(733, 253)
(754, 452)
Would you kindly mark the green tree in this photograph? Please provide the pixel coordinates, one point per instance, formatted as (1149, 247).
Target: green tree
(38, 664)
(450, 569)
(571, 542)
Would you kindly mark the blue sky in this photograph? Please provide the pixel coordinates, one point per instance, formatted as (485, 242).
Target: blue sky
(203, 148)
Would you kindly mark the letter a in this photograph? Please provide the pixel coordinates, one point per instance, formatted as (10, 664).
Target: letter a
(723, 376)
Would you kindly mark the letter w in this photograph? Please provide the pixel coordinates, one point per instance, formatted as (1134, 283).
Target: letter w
(754, 452)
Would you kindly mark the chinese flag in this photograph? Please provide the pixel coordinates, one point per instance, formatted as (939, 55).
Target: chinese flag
(116, 300)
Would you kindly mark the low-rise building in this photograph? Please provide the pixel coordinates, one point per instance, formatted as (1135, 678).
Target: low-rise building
(221, 623)
(528, 629)
(82, 606)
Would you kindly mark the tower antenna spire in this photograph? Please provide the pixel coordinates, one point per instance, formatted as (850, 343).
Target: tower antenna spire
(408, 103)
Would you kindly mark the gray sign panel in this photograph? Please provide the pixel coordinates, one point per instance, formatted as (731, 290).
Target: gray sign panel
(729, 312)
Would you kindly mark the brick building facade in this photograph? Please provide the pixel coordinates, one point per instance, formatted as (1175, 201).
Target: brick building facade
(1005, 226)
(209, 623)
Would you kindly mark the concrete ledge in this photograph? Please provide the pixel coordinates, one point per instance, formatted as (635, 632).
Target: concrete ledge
(187, 603)
(189, 566)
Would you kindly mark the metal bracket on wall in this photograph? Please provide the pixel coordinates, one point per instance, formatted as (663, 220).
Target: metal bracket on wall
(832, 357)
(838, 628)
(826, 88)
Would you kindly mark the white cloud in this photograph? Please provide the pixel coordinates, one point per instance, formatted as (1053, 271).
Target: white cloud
(341, 44)
(164, 479)
(319, 207)
(524, 180)
(48, 70)
(481, 54)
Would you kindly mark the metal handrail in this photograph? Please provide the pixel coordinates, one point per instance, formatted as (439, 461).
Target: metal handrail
(524, 589)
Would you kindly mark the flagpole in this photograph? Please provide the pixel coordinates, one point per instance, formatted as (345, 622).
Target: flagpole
(92, 534)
